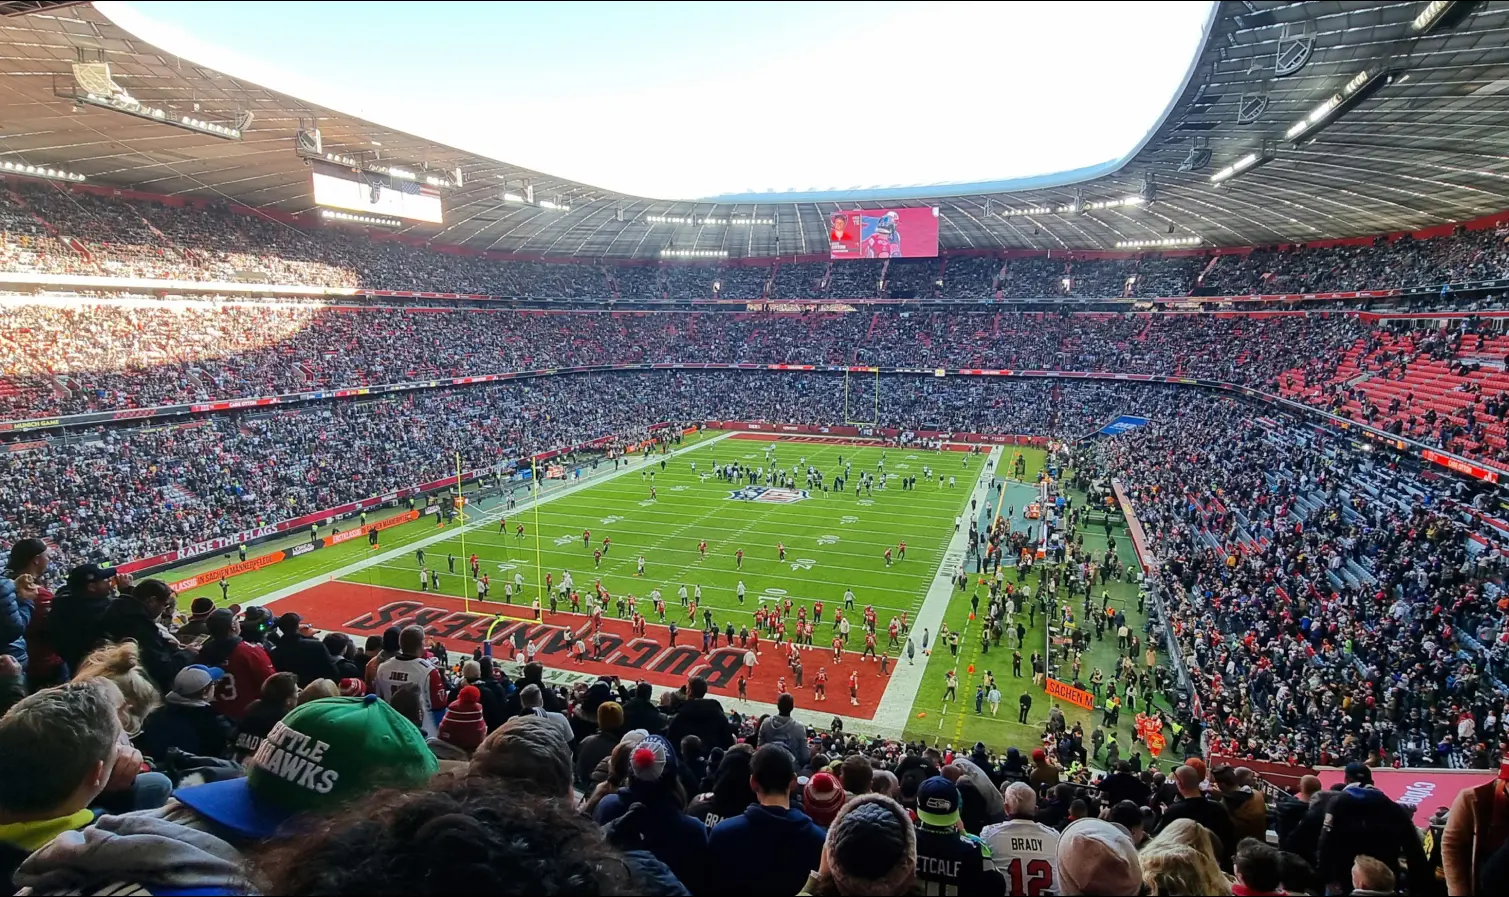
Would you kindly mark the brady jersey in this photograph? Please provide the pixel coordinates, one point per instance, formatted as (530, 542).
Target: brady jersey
(1026, 853)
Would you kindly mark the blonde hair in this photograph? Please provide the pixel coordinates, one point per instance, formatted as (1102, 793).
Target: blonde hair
(1178, 870)
(121, 664)
(1191, 834)
(319, 688)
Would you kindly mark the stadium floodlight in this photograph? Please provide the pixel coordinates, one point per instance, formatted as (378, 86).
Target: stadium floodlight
(555, 205)
(403, 174)
(694, 253)
(1246, 163)
(125, 104)
(21, 169)
(352, 218)
(512, 197)
(1361, 86)
(1114, 203)
(1160, 242)
(1438, 14)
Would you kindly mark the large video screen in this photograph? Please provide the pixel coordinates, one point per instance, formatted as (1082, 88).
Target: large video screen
(883, 233)
(375, 194)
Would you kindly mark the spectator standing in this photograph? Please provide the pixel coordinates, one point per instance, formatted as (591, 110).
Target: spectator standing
(1247, 808)
(703, 717)
(463, 725)
(732, 791)
(822, 798)
(788, 843)
(1024, 850)
(596, 747)
(18, 594)
(246, 666)
(947, 858)
(532, 702)
(76, 621)
(297, 651)
(30, 557)
(1363, 821)
(659, 821)
(782, 729)
(1193, 804)
(137, 615)
(641, 711)
(407, 668)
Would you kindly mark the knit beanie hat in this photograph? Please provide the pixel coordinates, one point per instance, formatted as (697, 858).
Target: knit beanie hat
(463, 725)
(871, 848)
(652, 761)
(823, 798)
(1097, 857)
(201, 608)
(352, 687)
(610, 716)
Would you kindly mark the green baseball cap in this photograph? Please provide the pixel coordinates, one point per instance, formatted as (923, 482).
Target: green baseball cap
(320, 757)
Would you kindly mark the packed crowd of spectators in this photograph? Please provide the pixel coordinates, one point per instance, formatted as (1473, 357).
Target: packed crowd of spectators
(1329, 608)
(53, 230)
(236, 753)
(121, 493)
(60, 358)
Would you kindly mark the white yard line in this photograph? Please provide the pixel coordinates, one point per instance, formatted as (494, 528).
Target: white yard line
(483, 520)
(901, 690)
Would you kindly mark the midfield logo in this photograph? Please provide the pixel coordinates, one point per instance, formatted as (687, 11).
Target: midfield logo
(765, 493)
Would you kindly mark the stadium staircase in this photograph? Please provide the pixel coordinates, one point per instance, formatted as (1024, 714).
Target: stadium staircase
(174, 495)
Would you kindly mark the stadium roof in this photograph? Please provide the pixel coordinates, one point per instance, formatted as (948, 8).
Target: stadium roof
(1421, 138)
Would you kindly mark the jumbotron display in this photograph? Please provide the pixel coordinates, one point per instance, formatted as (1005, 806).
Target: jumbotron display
(883, 233)
(379, 194)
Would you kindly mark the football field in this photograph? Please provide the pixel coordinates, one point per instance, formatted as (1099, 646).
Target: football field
(833, 542)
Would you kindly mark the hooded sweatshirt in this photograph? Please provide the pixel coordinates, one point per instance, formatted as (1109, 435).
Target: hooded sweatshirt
(786, 842)
(119, 853)
(787, 731)
(1249, 813)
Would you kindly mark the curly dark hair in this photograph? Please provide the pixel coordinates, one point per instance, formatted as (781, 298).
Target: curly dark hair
(466, 836)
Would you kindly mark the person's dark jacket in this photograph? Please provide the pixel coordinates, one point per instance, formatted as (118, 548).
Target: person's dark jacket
(1210, 814)
(192, 728)
(640, 713)
(15, 616)
(675, 838)
(76, 625)
(1119, 786)
(1364, 820)
(552, 700)
(494, 701)
(731, 793)
(593, 749)
(771, 848)
(1308, 822)
(306, 658)
(127, 618)
(704, 718)
(346, 669)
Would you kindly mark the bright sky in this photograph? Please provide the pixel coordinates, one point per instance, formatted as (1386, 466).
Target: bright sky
(691, 100)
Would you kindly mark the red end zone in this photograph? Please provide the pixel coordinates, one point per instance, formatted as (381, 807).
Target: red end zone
(809, 440)
(363, 610)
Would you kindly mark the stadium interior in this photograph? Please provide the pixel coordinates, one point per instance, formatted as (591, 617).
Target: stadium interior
(384, 517)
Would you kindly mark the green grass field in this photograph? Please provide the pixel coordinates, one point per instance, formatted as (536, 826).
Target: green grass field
(833, 542)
